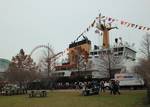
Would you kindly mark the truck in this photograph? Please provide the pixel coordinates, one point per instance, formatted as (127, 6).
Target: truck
(129, 80)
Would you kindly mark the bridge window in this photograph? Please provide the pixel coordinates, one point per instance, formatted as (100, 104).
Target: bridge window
(120, 53)
(128, 76)
(96, 56)
(95, 53)
(118, 49)
(91, 53)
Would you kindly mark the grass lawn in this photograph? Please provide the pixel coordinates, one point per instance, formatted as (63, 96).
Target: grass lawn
(74, 99)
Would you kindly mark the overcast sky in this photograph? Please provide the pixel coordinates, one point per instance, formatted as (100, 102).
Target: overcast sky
(28, 23)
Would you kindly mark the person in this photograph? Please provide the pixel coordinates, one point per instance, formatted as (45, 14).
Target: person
(114, 87)
(89, 85)
(111, 87)
(102, 86)
(117, 87)
(76, 85)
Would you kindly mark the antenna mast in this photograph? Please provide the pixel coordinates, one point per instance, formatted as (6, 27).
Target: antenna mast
(105, 28)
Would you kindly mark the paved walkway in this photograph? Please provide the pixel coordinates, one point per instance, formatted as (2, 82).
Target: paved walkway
(67, 90)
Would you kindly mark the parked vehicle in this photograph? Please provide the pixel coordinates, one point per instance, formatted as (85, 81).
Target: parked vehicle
(129, 80)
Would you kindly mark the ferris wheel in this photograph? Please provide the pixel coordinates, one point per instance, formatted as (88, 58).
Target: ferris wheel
(47, 63)
(50, 50)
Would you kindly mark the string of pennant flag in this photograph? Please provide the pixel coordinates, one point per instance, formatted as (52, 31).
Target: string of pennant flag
(129, 24)
(111, 20)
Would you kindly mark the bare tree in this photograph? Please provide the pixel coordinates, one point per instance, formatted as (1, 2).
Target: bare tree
(22, 69)
(143, 67)
(145, 46)
(108, 63)
(46, 64)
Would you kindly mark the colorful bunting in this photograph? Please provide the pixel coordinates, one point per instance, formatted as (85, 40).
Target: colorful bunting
(110, 19)
(126, 23)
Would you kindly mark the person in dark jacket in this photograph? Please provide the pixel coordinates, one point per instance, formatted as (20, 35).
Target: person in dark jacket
(117, 87)
(111, 87)
(102, 86)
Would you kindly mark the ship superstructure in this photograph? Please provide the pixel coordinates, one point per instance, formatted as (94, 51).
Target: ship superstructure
(97, 62)
(100, 62)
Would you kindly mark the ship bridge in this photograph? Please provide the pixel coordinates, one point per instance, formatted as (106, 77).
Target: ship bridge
(117, 58)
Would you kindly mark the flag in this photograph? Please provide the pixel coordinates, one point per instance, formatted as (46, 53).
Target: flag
(132, 25)
(136, 26)
(97, 31)
(128, 25)
(93, 23)
(122, 22)
(144, 28)
(140, 27)
(109, 19)
(87, 29)
(113, 20)
(148, 28)
(125, 23)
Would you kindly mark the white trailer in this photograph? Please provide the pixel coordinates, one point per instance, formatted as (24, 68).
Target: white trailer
(130, 80)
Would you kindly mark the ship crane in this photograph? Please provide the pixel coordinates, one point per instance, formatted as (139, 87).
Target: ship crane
(105, 28)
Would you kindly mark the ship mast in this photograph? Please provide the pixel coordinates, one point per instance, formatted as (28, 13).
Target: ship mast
(105, 28)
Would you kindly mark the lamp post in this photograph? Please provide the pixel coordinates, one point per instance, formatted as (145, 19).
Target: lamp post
(48, 61)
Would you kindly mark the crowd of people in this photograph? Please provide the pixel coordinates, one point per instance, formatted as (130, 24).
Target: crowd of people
(112, 85)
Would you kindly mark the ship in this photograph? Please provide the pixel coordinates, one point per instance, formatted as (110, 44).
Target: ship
(100, 62)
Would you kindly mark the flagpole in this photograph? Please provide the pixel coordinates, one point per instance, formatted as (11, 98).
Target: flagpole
(99, 18)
